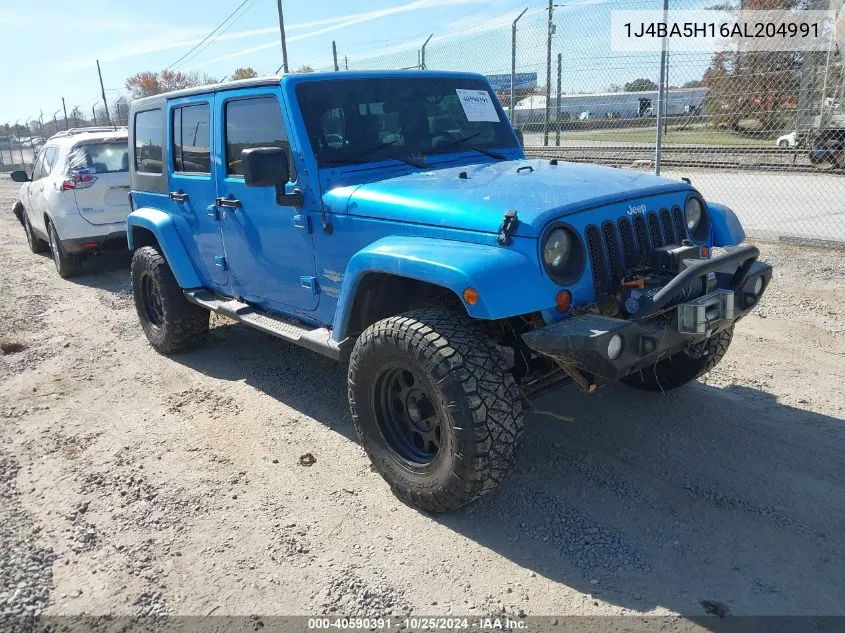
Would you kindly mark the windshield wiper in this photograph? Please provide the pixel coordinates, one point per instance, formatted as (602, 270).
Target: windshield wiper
(462, 142)
(356, 157)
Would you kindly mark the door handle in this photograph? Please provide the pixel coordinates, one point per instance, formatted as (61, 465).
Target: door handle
(178, 197)
(230, 203)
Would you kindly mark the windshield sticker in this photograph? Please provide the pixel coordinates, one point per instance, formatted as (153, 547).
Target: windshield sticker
(477, 105)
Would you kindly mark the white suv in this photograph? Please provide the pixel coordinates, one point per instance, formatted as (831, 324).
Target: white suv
(76, 200)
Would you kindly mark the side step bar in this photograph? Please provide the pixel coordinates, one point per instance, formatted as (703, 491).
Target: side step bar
(317, 340)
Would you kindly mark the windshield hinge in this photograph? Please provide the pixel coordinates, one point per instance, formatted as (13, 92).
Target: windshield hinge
(509, 224)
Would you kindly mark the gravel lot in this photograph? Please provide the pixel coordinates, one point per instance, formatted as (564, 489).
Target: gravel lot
(132, 483)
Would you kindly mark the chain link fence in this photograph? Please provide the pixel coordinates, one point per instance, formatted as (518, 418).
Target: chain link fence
(763, 132)
(20, 141)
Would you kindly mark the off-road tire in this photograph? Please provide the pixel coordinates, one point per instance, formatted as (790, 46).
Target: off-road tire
(66, 263)
(476, 401)
(683, 367)
(35, 243)
(182, 324)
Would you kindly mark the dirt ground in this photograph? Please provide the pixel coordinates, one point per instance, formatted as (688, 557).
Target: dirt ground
(132, 483)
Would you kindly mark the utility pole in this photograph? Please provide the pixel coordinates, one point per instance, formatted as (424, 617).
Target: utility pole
(513, 61)
(334, 56)
(41, 120)
(557, 112)
(346, 62)
(422, 55)
(284, 43)
(94, 114)
(103, 92)
(661, 97)
(548, 75)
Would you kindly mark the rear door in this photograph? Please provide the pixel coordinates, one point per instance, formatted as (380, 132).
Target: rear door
(30, 201)
(99, 174)
(38, 205)
(193, 190)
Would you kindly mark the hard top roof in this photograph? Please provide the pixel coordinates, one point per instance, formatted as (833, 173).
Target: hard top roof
(271, 80)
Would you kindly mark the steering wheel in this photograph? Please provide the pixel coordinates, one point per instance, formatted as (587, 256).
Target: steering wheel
(442, 137)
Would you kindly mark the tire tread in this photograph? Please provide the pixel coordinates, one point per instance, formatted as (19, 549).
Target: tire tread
(452, 346)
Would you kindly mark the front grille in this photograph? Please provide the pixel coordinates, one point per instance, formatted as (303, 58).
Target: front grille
(617, 247)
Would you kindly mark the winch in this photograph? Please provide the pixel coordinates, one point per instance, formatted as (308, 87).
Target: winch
(638, 288)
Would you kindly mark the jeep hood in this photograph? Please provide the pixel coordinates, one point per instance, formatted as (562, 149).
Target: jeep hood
(475, 197)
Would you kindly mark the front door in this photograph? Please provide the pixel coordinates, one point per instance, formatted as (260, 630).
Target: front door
(269, 249)
(192, 185)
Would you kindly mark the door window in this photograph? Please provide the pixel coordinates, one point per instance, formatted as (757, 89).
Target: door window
(253, 123)
(38, 167)
(192, 139)
(149, 132)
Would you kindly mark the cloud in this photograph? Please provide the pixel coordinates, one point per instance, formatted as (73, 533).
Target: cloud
(173, 39)
(342, 23)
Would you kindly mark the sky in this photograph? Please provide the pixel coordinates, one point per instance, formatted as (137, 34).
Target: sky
(57, 47)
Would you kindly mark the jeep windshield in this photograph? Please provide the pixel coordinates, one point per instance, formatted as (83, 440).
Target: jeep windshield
(401, 118)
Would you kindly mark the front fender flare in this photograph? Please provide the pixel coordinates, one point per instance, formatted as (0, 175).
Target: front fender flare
(727, 229)
(161, 225)
(508, 281)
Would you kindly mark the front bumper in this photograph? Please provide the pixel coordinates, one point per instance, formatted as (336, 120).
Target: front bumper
(585, 341)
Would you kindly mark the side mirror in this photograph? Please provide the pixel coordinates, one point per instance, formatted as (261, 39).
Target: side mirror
(519, 137)
(265, 166)
(19, 176)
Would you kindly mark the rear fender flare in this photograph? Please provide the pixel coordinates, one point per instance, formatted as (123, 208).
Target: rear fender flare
(161, 225)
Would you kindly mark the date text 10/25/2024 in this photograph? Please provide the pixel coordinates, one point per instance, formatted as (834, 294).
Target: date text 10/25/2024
(503, 623)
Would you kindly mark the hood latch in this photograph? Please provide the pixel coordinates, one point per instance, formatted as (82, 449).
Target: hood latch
(508, 228)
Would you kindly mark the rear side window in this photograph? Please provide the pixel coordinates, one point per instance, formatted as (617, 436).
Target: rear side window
(252, 123)
(192, 139)
(100, 158)
(149, 133)
(50, 155)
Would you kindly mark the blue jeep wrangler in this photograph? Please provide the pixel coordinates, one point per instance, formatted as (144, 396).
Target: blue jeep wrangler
(392, 221)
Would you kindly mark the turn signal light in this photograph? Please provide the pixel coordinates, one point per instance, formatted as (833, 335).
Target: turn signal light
(705, 252)
(563, 301)
(471, 296)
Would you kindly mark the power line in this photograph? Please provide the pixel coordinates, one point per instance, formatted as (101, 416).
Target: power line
(219, 26)
(228, 26)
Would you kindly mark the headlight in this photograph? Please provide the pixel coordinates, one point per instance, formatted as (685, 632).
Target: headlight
(557, 250)
(563, 255)
(697, 220)
(692, 213)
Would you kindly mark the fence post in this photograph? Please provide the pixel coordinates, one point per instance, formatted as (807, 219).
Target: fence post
(661, 97)
(20, 145)
(548, 76)
(422, 54)
(513, 61)
(557, 109)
